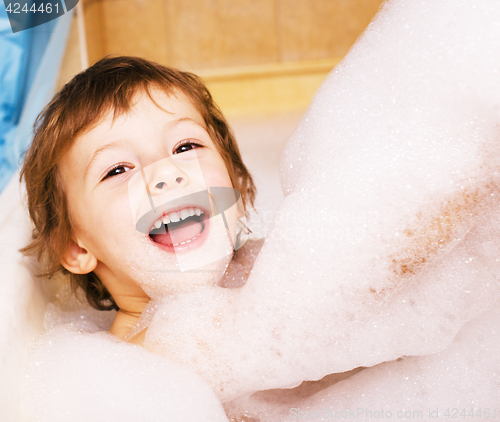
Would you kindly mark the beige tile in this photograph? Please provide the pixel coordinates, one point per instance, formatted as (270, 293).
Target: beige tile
(218, 33)
(70, 64)
(265, 95)
(135, 27)
(192, 33)
(94, 29)
(321, 29)
(266, 89)
(248, 30)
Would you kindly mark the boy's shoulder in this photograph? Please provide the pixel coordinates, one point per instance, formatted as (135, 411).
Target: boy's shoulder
(242, 263)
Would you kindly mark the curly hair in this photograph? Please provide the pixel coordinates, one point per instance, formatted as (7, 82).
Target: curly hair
(107, 86)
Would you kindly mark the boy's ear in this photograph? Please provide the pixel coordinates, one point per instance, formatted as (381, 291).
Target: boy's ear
(78, 260)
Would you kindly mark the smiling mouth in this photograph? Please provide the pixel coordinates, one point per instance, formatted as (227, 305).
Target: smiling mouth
(179, 228)
(183, 223)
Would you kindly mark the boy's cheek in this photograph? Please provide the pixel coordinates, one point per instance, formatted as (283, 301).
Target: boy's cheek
(214, 176)
(115, 214)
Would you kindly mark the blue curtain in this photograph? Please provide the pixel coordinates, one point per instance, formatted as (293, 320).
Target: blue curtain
(29, 66)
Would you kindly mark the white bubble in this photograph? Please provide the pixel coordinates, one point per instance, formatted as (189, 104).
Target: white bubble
(81, 375)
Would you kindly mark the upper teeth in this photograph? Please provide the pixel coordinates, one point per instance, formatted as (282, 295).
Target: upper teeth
(174, 217)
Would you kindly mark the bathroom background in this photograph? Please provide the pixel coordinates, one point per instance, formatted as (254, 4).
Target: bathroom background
(258, 56)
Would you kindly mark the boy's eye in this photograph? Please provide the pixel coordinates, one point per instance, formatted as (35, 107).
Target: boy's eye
(116, 170)
(186, 146)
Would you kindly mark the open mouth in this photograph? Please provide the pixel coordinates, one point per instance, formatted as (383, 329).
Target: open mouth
(179, 228)
(183, 223)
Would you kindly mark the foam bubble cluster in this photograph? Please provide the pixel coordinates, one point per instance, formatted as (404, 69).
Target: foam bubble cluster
(459, 380)
(81, 374)
(387, 241)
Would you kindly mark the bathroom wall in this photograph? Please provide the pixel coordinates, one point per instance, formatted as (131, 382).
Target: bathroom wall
(258, 56)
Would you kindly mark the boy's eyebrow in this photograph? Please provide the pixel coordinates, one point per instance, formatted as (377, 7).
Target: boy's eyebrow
(111, 145)
(175, 122)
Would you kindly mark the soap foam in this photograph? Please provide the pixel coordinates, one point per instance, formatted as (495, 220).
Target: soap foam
(387, 241)
(80, 374)
(441, 386)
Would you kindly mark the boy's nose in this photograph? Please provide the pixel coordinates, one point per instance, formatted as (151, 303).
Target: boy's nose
(179, 181)
(168, 179)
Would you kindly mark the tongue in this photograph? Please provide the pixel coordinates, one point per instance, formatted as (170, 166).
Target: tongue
(179, 232)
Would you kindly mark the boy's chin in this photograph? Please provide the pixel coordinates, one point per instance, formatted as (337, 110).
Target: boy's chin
(162, 273)
(159, 285)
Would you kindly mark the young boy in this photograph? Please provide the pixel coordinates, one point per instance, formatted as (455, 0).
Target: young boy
(128, 179)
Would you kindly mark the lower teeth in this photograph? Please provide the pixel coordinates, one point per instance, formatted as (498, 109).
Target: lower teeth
(186, 241)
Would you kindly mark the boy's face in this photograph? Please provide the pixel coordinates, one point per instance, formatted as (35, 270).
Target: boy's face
(144, 167)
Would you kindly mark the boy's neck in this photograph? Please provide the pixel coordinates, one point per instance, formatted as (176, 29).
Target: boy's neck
(124, 322)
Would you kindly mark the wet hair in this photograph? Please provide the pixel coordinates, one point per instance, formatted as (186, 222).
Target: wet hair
(108, 86)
